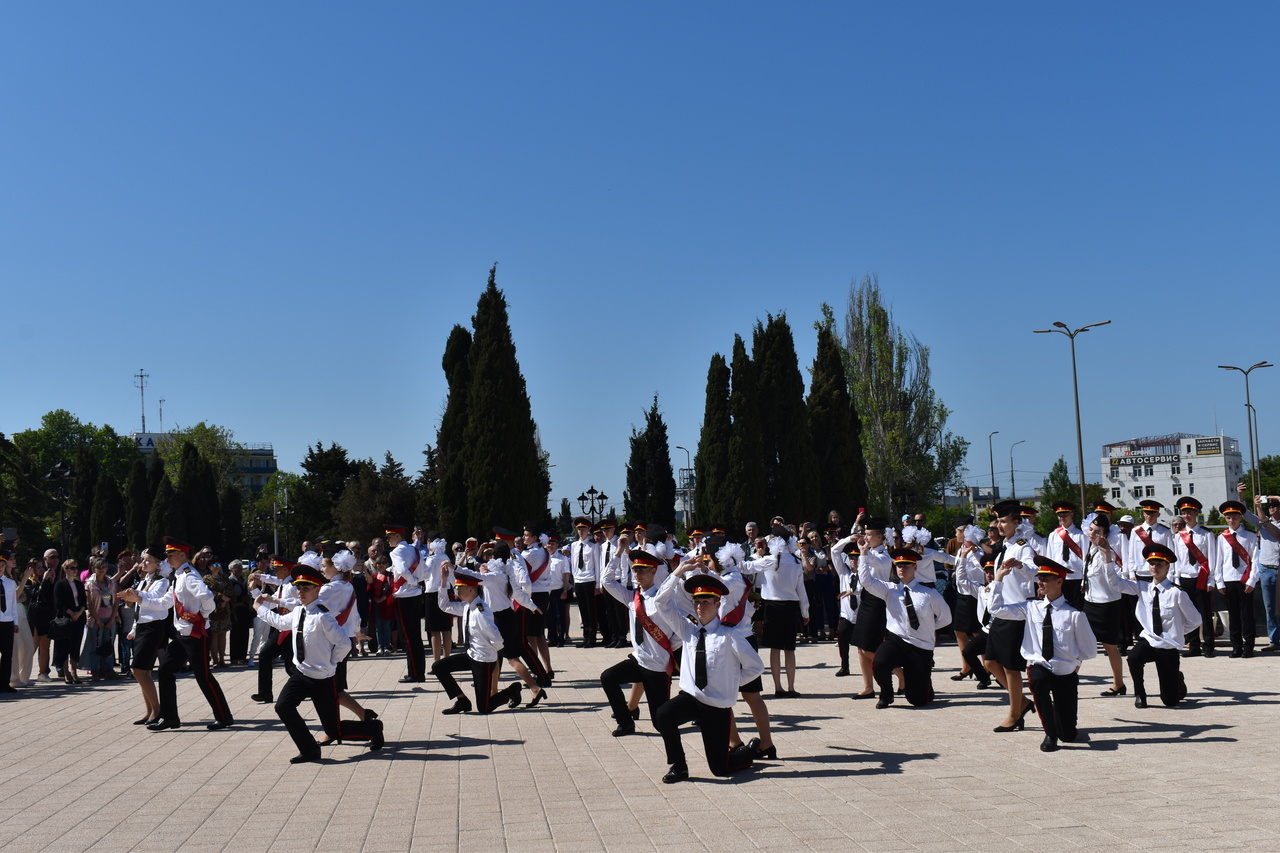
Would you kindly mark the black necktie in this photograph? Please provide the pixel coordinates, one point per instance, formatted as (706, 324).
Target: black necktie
(4, 599)
(1066, 551)
(466, 628)
(300, 641)
(581, 563)
(911, 608)
(1235, 559)
(986, 618)
(639, 611)
(1157, 624)
(1046, 633)
(700, 666)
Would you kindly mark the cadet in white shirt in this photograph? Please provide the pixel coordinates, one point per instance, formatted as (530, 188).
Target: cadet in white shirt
(653, 642)
(1233, 574)
(977, 645)
(717, 661)
(844, 558)
(1149, 532)
(1056, 639)
(406, 589)
(1004, 633)
(150, 629)
(482, 644)
(506, 582)
(1104, 587)
(1066, 545)
(1196, 549)
(868, 631)
(8, 619)
(1166, 615)
(913, 614)
(786, 605)
(319, 643)
(584, 562)
(537, 558)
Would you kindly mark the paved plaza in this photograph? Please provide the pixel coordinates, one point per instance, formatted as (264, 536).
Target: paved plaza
(78, 776)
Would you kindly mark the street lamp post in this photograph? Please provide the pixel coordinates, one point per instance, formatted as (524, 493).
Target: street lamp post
(684, 487)
(1250, 416)
(593, 503)
(1062, 329)
(991, 458)
(1013, 490)
(59, 474)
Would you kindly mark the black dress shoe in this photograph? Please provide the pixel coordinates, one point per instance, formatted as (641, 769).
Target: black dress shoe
(1248, 653)
(409, 679)
(461, 705)
(676, 774)
(263, 698)
(513, 696)
(1236, 653)
(1209, 653)
(635, 713)
(303, 759)
(1140, 701)
(883, 703)
(162, 724)
(537, 697)
(145, 721)
(842, 672)
(624, 729)
(377, 741)
(1049, 744)
(217, 725)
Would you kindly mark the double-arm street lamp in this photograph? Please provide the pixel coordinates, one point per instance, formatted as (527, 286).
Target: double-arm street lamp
(1252, 415)
(992, 459)
(593, 503)
(1013, 490)
(1063, 329)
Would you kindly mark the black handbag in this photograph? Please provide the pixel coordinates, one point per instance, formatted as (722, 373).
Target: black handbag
(60, 628)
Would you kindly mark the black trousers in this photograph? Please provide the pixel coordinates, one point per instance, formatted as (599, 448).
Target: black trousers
(241, 625)
(1203, 601)
(481, 678)
(917, 668)
(712, 721)
(519, 636)
(272, 649)
(1244, 629)
(410, 611)
(844, 639)
(1057, 700)
(323, 693)
(618, 618)
(193, 650)
(1130, 628)
(657, 687)
(6, 652)
(1173, 687)
(586, 595)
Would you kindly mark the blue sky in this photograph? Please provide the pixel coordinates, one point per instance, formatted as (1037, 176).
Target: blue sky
(280, 210)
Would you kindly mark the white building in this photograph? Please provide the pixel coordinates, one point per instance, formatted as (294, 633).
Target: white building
(1165, 467)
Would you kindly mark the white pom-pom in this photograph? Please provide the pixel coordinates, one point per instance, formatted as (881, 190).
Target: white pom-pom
(730, 555)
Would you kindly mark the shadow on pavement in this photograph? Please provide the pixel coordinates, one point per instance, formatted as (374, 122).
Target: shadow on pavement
(875, 763)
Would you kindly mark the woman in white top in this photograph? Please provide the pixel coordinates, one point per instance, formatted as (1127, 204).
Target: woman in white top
(1103, 606)
(150, 629)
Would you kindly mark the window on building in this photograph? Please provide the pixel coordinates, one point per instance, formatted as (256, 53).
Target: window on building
(1115, 473)
(1115, 494)
(1137, 472)
(1177, 488)
(1188, 467)
(1175, 470)
(1151, 470)
(1188, 448)
(1137, 491)
(1191, 488)
(1151, 491)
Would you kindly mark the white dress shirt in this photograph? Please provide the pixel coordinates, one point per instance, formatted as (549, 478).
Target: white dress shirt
(484, 641)
(584, 561)
(848, 576)
(405, 562)
(781, 578)
(337, 595)
(1019, 584)
(194, 597)
(1223, 569)
(649, 653)
(1134, 563)
(504, 582)
(1105, 581)
(537, 558)
(1178, 615)
(325, 640)
(731, 662)
(154, 599)
(1205, 541)
(1073, 639)
(1074, 543)
(9, 613)
(931, 610)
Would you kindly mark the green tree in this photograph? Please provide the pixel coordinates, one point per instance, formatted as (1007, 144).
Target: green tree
(186, 520)
(80, 508)
(904, 424)
(426, 489)
(1058, 486)
(835, 427)
(107, 519)
(313, 496)
(209, 506)
(564, 521)
(231, 508)
(137, 505)
(166, 516)
(23, 498)
(790, 465)
(745, 483)
(651, 486)
(358, 512)
(502, 466)
(711, 500)
(396, 500)
(216, 444)
(60, 437)
(450, 437)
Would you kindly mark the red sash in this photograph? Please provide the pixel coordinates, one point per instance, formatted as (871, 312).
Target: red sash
(346, 611)
(734, 616)
(1143, 535)
(399, 582)
(651, 628)
(534, 576)
(1070, 542)
(1239, 549)
(1202, 579)
(196, 620)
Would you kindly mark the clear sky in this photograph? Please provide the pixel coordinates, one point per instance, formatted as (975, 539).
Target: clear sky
(279, 210)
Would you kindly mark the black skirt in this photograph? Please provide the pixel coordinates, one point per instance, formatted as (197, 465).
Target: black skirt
(437, 619)
(1004, 643)
(781, 622)
(1106, 619)
(149, 639)
(964, 617)
(869, 628)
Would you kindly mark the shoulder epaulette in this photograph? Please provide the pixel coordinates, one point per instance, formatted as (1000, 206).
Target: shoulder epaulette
(1022, 542)
(479, 606)
(322, 608)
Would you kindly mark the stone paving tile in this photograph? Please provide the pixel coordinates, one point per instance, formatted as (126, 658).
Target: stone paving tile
(554, 779)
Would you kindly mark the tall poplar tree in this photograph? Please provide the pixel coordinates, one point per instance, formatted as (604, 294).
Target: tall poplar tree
(651, 484)
(166, 517)
(835, 428)
(502, 475)
(745, 483)
(711, 465)
(231, 512)
(107, 519)
(450, 447)
(790, 466)
(137, 505)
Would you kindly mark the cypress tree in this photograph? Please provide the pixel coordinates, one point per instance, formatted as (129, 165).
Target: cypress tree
(745, 482)
(357, 511)
(138, 505)
(502, 467)
(636, 495)
(165, 517)
(395, 499)
(660, 505)
(711, 465)
(835, 429)
(790, 466)
(80, 510)
(231, 512)
(107, 522)
(426, 490)
(450, 447)
(326, 472)
(209, 530)
(185, 516)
